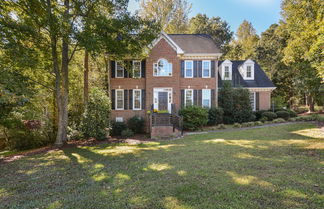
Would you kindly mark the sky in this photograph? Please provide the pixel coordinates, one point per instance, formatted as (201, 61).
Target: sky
(261, 13)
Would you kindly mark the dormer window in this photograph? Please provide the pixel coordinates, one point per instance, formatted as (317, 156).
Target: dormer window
(249, 71)
(226, 70)
(226, 73)
(162, 68)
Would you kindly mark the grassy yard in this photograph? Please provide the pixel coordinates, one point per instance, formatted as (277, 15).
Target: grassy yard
(272, 167)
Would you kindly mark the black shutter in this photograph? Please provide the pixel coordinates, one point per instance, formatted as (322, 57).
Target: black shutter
(126, 66)
(112, 68)
(182, 97)
(125, 99)
(182, 68)
(195, 68)
(199, 69)
(113, 99)
(200, 98)
(195, 97)
(130, 99)
(212, 69)
(143, 99)
(213, 98)
(257, 101)
(143, 66)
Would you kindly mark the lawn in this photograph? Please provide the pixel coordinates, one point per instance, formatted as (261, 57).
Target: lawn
(271, 167)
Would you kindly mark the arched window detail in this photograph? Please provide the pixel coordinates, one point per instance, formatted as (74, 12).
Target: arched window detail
(162, 68)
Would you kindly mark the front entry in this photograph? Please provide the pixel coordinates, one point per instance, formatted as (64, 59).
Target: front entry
(162, 99)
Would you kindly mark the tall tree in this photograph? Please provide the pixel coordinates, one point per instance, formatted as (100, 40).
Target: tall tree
(172, 15)
(217, 28)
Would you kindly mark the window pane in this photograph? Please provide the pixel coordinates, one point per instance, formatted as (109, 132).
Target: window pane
(252, 100)
(206, 96)
(137, 99)
(189, 68)
(163, 68)
(248, 72)
(120, 70)
(120, 99)
(137, 69)
(189, 97)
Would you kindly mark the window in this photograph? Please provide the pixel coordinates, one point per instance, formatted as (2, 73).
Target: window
(136, 69)
(252, 100)
(119, 69)
(137, 99)
(188, 97)
(119, 99)
(226, 72)
(162, 68)
(119, 119)
(206, 98)
(206, 69)
(188, 69)
(248, 71)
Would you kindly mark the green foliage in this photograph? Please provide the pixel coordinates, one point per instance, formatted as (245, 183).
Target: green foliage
(258, 114)
(237, 125)
(236, 104)
(279, 120)
(263, 119)
(292, 119)
(258, 123)
(312, 117)
(136, 124)
(269, 115)
(215, 116)
(194, 117)
(117, 128)
(221, 126)
(283, 114)
(95, 121)
(127, 133)
(248, 124)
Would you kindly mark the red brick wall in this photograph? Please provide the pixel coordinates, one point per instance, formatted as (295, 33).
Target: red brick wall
(264, 100)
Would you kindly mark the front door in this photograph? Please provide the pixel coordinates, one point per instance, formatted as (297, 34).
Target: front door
(163, 100)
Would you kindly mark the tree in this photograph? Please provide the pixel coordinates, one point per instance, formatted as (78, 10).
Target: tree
(217, 28)
(172, 15)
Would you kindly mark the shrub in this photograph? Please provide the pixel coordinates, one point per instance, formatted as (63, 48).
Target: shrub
(263, 119)
(258, 114)
(127, 133)
(221, 126)
(292, 113)
(95, 122)
(313, 117)
(136, 124)
(292, 119)
(283, 114)
(237, 125)
(258, 123)
(215, 116)
(269, 115)
(279, 120)
(117, 128)
(194, 117)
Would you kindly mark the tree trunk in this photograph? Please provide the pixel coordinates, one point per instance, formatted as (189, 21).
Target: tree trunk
(86, 78)
(311, 104)
(107, 76)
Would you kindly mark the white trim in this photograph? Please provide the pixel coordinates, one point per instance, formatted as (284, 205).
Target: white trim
(116, 74)
(170, 42)
(207, 55)
(247, 63)
(140, 90)
(202, 68)
(202, 97)
(140, 71)
(185, 97)
(254, 100)
(226, 63)
(260, 88)
(185, 69)
(169, 90)
(116, 103)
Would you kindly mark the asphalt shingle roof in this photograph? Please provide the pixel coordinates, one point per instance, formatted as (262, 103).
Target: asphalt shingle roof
(261, 80)
(195, 43)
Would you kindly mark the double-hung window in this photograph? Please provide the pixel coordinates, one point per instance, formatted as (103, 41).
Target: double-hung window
(119, 99)
(136, 69)
(252, 100)
(119, 69)
(226, 72)
(162, 68)
(249, 71)
(188, 97)
(206, 68)
(188, 68)
(137, 99)
(206, 98)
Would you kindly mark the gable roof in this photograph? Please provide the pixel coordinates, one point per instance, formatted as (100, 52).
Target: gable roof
(261, 80)
(195, 43)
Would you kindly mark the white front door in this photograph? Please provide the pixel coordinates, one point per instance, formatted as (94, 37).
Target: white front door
(162, 99)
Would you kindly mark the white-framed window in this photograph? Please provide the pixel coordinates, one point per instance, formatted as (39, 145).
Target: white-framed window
(226, 73)
(206, 98)
(162, 68)
(206, 68)
(188, 69)
(119, 69)
(137, 99)
(188, 97)
(119, 119)
(119, 99)
(226, 70)
(252, 100)
(137, 69)
(249, 71)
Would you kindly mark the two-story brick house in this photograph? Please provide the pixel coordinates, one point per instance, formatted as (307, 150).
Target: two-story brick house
(181, 69)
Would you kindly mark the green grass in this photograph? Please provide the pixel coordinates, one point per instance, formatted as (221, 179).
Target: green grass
(272, 167)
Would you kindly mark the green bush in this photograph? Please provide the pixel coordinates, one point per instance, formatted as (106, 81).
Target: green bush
(279, 120)
(221, 126)
(258, 114)
(258, 123)
(237, 125)
(292, 119)
(283, 114)
(292, 113)
(215, 116)
(127, 133)
(248, 124)
(136, 124)
(269, 115)
(313, 117)
(95, 122)
(117, 128)
(194, 117)
(263, 119)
